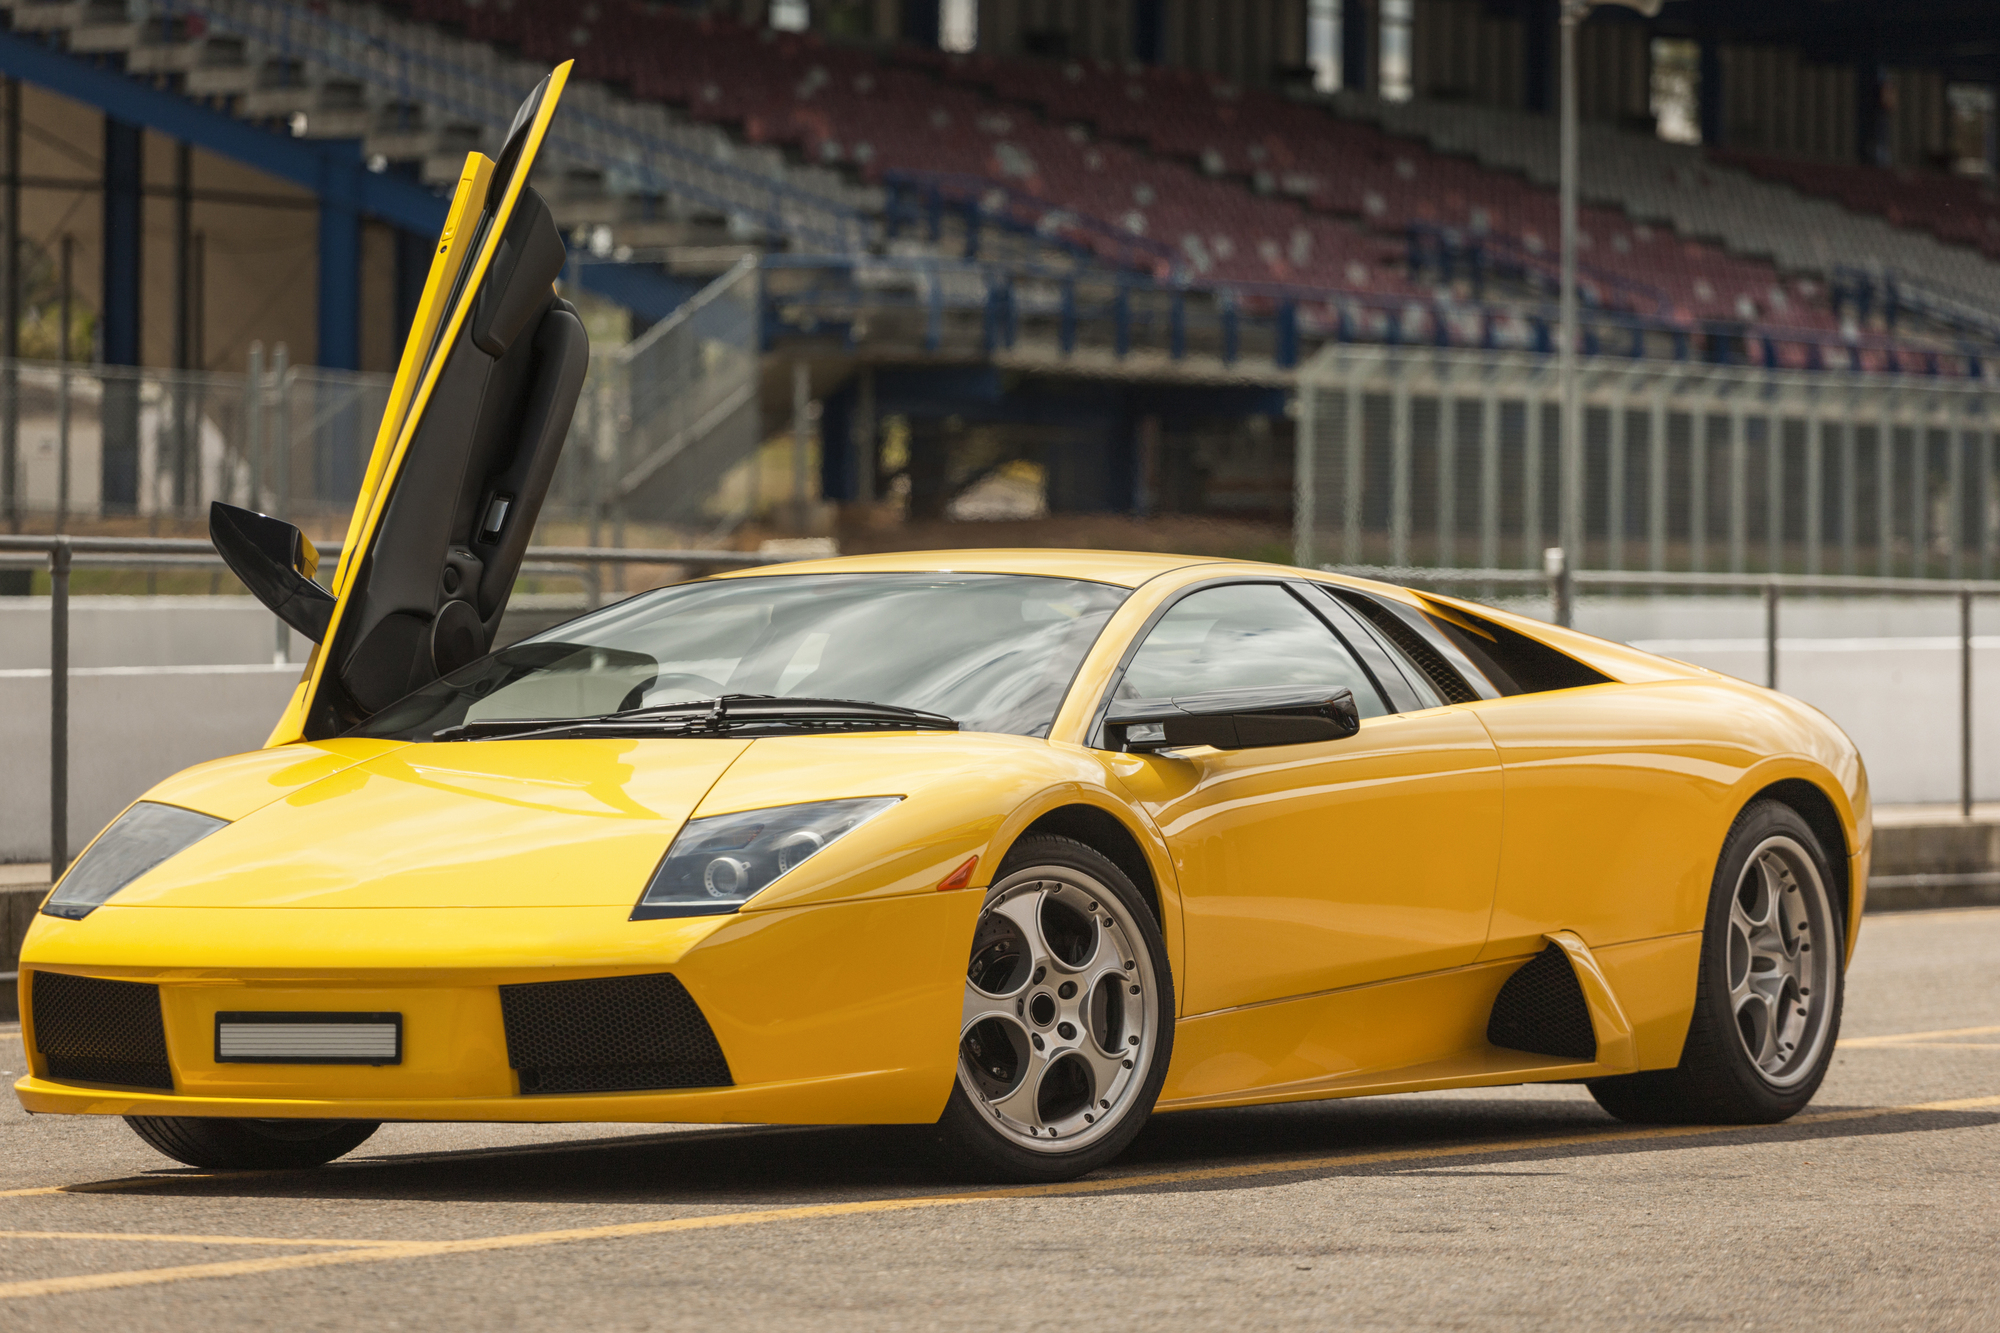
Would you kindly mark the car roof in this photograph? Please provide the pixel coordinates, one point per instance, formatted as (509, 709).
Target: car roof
(1127, 569)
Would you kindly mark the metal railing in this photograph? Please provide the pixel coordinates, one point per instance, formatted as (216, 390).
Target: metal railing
(1417, 456)
(62, 554)
(1562, 584)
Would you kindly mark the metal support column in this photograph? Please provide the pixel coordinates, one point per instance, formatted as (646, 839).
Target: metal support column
(1774, 492)
(1399, 475)
(1698, 491)
(1656, 484)
(1771, 636)
(1739, 499)
(1849, 504)
(1489, 481)
(339, 320)
(1816, 428)
(1305, 475)
(119, 312)
(1447, 508)
(1965, 702)
(1614, 497)
(1531, 486)
(1954, 531)
(801, 442)
(1350, 481)
(1920, 496)
(1885, 496)
(59, 563)
(10, 338)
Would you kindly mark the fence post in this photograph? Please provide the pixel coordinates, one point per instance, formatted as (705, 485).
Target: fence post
(1555, 563)
(59, 562)
(1965, 702)
(1771, 636)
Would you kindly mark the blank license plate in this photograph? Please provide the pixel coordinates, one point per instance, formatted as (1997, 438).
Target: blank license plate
(308, 1038)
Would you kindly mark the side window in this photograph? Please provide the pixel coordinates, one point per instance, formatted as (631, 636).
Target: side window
(1243, 636)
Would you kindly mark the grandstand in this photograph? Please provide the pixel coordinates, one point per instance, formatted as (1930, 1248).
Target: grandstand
(1098, 239)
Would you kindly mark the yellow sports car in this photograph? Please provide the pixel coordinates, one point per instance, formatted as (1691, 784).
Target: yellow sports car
(1022, 845)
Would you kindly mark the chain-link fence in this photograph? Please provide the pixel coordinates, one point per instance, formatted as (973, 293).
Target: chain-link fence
(660, 425)
(80, 444)
(1414, 456)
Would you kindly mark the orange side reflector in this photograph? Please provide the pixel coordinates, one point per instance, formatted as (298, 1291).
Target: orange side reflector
(960, 877)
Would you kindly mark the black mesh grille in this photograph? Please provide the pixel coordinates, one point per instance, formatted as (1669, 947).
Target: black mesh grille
(610, 1034)
(94, 1031)
(1451, 686)
(1541, 1010)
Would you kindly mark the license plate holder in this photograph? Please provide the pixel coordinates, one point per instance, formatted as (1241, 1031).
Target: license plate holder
(310, 1037)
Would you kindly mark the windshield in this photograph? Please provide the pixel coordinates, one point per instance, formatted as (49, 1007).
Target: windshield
(995, 652)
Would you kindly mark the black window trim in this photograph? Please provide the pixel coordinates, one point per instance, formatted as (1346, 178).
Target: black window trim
(1094, 736)
(1474, 678)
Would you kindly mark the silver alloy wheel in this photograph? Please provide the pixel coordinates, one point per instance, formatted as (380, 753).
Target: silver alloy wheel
(1783, 948)
(1061, 1009)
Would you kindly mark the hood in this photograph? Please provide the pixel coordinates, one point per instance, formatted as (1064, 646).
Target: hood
(485, 824)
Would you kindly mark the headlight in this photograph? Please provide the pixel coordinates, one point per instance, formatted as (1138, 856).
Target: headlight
(137, 840)
(717, 863)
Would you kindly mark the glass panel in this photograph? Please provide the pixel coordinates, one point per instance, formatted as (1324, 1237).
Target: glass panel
(1243, 636)
(995, 652)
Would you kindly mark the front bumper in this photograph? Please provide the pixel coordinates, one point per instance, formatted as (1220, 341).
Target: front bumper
(838, 1013)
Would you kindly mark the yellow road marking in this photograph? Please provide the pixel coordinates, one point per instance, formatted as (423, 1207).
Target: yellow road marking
(170, 1239)
(382, 1253)
(1901, 1038)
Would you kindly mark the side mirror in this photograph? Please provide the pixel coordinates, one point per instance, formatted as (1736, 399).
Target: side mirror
(1233, 720)
(276, 563)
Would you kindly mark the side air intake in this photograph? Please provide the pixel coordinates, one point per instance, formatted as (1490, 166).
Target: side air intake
(89, 1030)
(610, 1034)
(1541, 1010)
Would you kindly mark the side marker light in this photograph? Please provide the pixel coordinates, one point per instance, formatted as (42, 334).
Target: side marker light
(961, 877)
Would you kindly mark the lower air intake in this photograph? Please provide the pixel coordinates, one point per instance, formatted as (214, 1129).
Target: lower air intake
(93, 1031)
(610, 1034)
(1541, 1010)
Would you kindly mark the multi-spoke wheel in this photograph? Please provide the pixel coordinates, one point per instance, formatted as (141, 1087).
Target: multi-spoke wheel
(1067, 1024)
(1767, 1000)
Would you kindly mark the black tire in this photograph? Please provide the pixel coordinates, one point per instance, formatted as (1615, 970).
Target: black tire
(975, 1141)
(251, 1145)
(1720, 1080)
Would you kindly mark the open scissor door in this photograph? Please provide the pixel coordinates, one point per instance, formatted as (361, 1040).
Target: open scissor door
(475, 421)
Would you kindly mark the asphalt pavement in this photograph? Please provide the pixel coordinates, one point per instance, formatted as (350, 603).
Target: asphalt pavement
(1879, 1208)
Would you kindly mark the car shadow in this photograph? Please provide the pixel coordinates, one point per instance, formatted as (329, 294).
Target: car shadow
(761, 1167)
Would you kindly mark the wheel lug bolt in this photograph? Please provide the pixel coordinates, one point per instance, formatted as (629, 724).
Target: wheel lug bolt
(1104, 1106)
(1128, 1064)
(1037, 1039)
(1131, 1041)
(1135, 990)
(1067, 1031)
(1067, 990)
(1036, 980)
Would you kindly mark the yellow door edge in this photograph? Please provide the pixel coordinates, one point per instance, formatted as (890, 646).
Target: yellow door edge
(373, 500)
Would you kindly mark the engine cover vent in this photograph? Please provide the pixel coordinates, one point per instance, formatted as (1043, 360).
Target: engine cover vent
(89, 1030)
(610, 1034)
(1541, 1010)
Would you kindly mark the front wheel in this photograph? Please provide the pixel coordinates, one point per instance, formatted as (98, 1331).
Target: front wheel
(1768, 994)
(251, 1145)
(1067, 1024)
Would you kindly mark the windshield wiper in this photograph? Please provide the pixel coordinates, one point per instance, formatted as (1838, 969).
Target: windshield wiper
(728, 715)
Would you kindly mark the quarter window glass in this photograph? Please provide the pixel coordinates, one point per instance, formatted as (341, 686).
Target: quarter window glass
(1243, 636)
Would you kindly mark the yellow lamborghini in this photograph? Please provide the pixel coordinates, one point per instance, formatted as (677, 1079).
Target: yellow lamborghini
(1020, 845)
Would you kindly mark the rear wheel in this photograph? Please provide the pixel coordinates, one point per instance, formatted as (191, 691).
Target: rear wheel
(1768, 995)
(251, 1145)
(1067, 1023)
